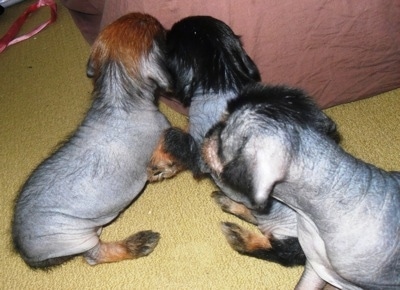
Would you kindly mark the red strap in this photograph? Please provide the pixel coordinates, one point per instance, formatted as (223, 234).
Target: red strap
(10, 37)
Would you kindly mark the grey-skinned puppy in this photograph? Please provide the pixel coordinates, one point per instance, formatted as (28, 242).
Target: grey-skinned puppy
(210, 67)
(347, 211)
(101, 169)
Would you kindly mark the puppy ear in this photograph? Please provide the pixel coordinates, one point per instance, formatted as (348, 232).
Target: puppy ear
(90, 68)
(251, 68)
(257, 168)
(327, 126)
(270, 167)
(269, 162)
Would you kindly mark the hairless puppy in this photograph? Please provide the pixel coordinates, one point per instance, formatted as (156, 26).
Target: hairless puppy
(99, 171)
(348, 211)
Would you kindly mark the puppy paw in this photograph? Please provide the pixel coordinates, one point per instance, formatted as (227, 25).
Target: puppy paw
(229, 206)
(236, 236)
(222, 200)
(243, 240)
(162, 165)
(142, 243)
(162, 169)
(164, 161)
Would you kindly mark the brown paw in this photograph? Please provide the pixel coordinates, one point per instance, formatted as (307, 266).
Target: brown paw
(236, 236)
(243, 240)
(162, 169)
(232, 207)
(142, 243)
(162, 164)
(222, 200)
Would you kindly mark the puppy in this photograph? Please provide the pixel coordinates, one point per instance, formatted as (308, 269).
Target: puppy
(274, 148)
(209, 67)
(98, 172)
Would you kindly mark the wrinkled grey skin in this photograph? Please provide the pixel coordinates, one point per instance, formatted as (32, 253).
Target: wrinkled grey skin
(98, 172)
(205, 111)
(348, 211)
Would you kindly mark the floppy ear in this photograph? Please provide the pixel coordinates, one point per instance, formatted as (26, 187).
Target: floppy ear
(269, 159)
(256, 169)
(251, 68)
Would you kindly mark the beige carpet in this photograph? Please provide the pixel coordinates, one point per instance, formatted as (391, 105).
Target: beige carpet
(44, 94)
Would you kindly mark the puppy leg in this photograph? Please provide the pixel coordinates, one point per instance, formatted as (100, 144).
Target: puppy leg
(310, 280)
(175, 152)
(138, 245)
(232, 207)
(285, 252)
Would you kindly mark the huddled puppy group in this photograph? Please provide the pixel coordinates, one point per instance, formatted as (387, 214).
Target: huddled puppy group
(271, 151)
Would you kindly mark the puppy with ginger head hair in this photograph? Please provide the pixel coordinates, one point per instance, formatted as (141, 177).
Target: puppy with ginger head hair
(99, 171)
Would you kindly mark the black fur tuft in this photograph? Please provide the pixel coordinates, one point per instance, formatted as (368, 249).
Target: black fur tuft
(285, 105)
(286, 252)
(204, 53)
(237, 175)
(182, 146)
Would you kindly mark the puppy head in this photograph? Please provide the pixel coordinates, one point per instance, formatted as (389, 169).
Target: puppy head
(136, 43)
(252, 149)
(204, 54)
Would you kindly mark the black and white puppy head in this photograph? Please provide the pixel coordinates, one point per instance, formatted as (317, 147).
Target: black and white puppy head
(204, 54)
(132, 47)
(251, 150)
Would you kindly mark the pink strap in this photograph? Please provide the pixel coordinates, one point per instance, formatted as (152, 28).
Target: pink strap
(10, 37)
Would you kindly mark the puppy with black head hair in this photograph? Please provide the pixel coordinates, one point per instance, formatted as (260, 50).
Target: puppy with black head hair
(101, 169)
(210, 67)
(275, 143)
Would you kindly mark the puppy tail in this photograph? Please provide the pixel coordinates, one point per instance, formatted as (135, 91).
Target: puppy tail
(138, 245)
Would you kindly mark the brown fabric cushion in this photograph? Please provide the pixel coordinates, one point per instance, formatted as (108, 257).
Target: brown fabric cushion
(338, 51)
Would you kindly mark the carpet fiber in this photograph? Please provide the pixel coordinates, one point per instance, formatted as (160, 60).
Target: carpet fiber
(44, 94)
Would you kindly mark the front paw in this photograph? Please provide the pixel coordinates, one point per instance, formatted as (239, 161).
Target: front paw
(162, 169)
(244, 241)
(163, 164)
(236, 236)
(232, 207)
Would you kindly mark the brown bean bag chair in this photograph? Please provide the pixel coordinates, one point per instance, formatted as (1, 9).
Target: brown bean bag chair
(338, 51)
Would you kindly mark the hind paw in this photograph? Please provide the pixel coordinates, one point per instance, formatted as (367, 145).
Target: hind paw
(142, 243)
